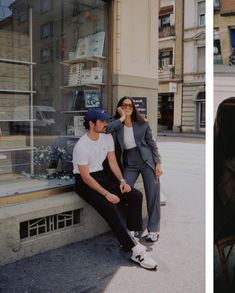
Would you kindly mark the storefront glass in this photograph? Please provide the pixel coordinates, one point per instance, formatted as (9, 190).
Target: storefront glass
(53, 68)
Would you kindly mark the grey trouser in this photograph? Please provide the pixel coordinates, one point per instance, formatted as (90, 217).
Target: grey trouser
(133, 166)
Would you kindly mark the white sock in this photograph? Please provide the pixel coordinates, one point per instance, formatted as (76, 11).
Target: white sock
(138, 248)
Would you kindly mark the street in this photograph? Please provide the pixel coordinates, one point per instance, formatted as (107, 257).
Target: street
(97, 265)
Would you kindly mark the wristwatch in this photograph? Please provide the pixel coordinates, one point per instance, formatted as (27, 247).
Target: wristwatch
(122, 181)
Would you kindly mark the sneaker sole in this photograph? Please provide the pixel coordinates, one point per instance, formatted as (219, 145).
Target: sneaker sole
(150, 240)
(139, 265)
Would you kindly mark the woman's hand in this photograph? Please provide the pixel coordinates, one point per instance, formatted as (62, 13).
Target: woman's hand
(158, 170)
(124, 187)
(121, 113)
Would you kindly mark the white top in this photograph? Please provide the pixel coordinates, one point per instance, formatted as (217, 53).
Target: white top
(92, 152)
(129, 140)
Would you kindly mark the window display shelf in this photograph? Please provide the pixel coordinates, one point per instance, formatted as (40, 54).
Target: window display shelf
(74, 112)
(17, 91)
(17, 120)
(83, 59)
(87, 85)
(16, 61)
(17, 149)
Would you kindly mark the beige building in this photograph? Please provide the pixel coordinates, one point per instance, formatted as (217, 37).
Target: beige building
(193, 104)
(224, 54)
(170, 65)
(80, 54)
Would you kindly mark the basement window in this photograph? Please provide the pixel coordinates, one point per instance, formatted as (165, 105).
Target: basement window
(38, 226)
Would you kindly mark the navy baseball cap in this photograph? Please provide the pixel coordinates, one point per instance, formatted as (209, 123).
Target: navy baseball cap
(96, 114)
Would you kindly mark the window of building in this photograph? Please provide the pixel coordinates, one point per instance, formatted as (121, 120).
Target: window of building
(46, 30)
(43, 99)
(165, 16)
(216, 4)
(22, 16)
(217, 47)
(47, 81)
(201, 59)
(201, 13)
(46, 5)
(201, 110)
(47, 55)
(165, 59)
(164, 20)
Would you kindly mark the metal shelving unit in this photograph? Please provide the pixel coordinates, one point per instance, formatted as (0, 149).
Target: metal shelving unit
(30, 92)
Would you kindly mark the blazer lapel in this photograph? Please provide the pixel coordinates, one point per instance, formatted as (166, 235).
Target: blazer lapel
(120, 137)
(137, 132)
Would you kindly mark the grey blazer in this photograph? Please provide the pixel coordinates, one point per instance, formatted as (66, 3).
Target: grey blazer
(144, 140)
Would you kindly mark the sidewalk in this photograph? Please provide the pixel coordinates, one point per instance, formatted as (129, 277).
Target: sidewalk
(96, 265)
(170, 133)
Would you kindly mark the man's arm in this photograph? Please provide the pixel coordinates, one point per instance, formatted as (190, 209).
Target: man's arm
(93, 184)
(117, 172)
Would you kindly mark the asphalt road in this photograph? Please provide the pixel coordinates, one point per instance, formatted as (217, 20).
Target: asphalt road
(97, 265)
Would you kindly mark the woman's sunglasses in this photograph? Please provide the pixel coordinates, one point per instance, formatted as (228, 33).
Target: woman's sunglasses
(125, 106)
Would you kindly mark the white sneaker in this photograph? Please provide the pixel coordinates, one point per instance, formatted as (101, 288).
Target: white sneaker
(152, 237)
(133, 234)
(143, 258)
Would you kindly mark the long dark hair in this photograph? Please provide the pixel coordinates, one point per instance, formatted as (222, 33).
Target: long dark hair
(135, 116)
(224, 135)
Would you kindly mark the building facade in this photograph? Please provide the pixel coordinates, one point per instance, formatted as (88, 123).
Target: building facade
(58, 59)
(181, 104)
(224, 52)
(193, 102)
(170, 65)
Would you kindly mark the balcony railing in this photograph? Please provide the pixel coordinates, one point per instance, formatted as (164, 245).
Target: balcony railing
(167, 31)
(166, 74)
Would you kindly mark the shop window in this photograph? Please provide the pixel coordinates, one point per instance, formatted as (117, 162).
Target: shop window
(46, 30)
(201, 13)
(165, 59)
(46, 5)
(43, 99)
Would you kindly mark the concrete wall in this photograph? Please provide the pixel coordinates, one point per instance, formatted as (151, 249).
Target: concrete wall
(13, 248)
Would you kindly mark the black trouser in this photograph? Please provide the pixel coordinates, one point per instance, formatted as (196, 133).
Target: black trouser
(109, 211)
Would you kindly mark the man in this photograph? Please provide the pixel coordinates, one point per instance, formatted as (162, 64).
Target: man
(103, 194)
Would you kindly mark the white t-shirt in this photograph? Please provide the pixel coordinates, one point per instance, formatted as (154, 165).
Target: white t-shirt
(92, 152)
(129, 140)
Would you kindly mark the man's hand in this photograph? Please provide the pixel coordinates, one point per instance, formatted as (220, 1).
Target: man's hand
(158, 171)
(112, 198)
(124, 187)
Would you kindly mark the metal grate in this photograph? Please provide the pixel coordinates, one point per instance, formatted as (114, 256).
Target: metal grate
(36, 227)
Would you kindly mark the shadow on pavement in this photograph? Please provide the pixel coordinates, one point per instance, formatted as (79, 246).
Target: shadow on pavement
(82, 267)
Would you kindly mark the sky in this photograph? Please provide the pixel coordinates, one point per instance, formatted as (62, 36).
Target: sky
(4, 10)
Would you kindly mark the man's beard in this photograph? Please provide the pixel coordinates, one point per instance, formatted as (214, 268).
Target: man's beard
(103, 130)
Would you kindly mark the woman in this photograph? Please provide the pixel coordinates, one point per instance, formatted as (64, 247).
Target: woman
(138, 154)
(224, 169)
